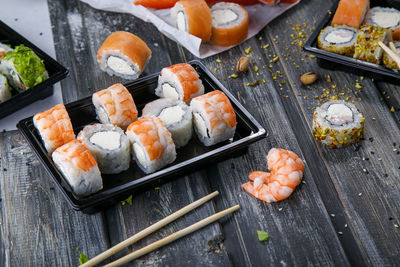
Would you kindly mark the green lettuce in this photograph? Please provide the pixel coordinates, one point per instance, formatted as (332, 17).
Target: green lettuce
(28, 65)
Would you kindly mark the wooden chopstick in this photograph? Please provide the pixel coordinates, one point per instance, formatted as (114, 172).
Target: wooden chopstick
(393, 48)
(145, 232)
(166, 240)
(391, 54)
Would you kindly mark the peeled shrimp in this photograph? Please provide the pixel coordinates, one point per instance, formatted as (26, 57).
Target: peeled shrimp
(286, 173)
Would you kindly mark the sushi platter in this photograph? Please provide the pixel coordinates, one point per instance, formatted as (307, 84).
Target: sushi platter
(355, 61)
(25, 91)
(117, 186)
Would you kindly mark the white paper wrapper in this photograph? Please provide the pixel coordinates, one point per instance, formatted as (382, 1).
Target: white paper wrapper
(260, 15)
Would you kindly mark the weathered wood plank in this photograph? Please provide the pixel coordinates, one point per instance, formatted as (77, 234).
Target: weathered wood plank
(369, 197)
(2, 217)
(40, 229)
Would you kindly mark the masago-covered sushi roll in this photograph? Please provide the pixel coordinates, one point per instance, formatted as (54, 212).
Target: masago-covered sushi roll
(338, 123)
(5, 89)
(175, 115)
(123, 54)
(388, 61)
(180, 81)
(115, 105)
(367, 47)
(194, 17)
(338, 39)
(108, 145)
(23, 68)
(79, 168)
(230, 24)
(214, 118)
(152, 144)
(350, 13)
(55, 127)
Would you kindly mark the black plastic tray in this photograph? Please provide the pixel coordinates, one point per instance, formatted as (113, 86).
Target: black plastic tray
(118, 186)
(334, 61)
(56, 73)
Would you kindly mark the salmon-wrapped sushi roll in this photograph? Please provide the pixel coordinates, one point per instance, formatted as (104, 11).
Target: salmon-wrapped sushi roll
(55, 127)
(214, 118)
(350, 13)
(79, 168)
(230, 24)
(123, 54)
(194, 17)
(152, 144)
(180, 81)
(115, 105)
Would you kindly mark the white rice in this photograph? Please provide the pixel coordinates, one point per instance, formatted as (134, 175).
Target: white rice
(5, 89)
(112, 156)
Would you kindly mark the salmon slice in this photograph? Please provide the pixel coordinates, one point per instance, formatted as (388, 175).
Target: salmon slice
(118, 104)
(157, 4)
(129, 45)
(198, 18)
(350, 13)
(396, 34)
(77, 153)
(231, 33)
(55, 127)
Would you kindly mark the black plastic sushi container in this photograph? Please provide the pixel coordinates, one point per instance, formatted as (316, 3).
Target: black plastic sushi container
(56, 73)
(117, 187)
(329, 60)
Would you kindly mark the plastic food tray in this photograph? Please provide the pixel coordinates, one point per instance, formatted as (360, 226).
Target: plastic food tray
(118, 186)
(334, 61)
(56, 73)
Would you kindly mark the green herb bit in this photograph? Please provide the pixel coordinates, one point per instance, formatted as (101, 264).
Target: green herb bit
(262, 236)
(157, 188)
(127, 201)
(254, 83)
(392, 109)
(89, 87)
(255, 68)
(83, 258)
(247, 50)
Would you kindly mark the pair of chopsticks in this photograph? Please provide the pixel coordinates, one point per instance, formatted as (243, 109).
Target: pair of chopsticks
(392, 52)
(162, 242)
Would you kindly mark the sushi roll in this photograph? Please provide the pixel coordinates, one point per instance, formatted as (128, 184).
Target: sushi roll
(388, 61)
(175, 115)
(179, 81)
(23, 68)
(214, 118)
(337, 124)
(78, 167)
(5, 89)
(123, 54)
(339, 40)
(350, 13)
(152, 144)
(194, 17)
(55, 127)
(108, 145)
(3, 50)
(115, 105)
(384, 17)
(230, 24)
(270, 2)
(367, 47)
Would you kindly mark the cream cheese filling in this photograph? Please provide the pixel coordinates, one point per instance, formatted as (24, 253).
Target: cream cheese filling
(140, 155)
(200, 124)
(223, 16)
(169, 91)
(171, 115)
(106, 140)
(339, 36)
(339, 114)
(119, 65)
(386, 19)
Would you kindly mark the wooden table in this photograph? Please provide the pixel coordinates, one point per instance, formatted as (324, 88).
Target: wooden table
(346, 211)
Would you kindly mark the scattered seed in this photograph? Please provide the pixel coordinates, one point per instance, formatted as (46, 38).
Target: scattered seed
(218, 60)
(280, 209)
(234, 76)
(248, 50)
(359, 194)
(340, 233)
(332, 215)
(345, 226)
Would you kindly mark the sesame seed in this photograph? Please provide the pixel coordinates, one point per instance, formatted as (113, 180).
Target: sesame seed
(280, 209)
(332, 215)
(396, 225)
(359, 194)
(340, 233)
(345, 226)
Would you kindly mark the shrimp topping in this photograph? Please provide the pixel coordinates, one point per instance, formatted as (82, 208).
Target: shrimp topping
(286, 173)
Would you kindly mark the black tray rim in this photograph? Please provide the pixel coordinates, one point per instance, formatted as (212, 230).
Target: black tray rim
(341, 59)
(163, 173)
(60, 73)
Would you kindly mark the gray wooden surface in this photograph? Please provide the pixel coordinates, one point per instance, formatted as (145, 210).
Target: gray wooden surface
(345, 212)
